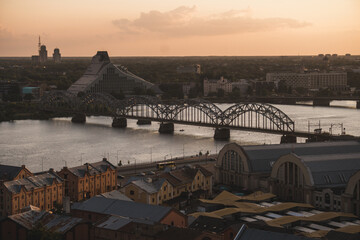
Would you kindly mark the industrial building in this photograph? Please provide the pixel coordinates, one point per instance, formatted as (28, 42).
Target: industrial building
(324, 174)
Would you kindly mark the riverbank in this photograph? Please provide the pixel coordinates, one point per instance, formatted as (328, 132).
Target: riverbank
(11, 111)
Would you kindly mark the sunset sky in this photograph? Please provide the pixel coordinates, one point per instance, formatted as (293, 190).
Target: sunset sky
(180, 28)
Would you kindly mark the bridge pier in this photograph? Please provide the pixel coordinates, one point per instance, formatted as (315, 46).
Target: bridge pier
(166, 128)
(358, 104)
(288, 139)
(321, 102)
(119, 122)
(222, 134)
(143, 122)
(79, 118)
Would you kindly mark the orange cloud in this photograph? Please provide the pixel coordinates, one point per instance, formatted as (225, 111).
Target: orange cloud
(183, 22)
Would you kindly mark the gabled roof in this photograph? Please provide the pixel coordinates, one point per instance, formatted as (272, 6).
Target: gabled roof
(92, 168)
(129, 209)
(150, 187)
(9, 172)
(33, 182)
(115, 194)
(52, 222)
(184, 175)
(204, 171)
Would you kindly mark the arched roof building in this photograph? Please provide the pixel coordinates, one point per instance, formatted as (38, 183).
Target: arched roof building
(351, 196)
(249, 167)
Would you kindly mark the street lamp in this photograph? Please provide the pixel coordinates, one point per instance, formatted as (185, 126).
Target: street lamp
(117, 156)
(81, 158)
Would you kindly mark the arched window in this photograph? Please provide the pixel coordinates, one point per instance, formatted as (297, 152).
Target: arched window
(232, 161)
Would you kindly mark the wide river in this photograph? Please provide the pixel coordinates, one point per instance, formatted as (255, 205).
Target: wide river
(41, 145)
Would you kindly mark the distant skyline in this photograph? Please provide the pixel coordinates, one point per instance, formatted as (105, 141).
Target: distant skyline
(180, 28)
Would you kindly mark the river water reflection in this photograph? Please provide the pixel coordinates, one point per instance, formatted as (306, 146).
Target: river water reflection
(54, 143)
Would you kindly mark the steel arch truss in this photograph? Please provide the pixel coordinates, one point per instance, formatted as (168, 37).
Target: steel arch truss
(259, 116)
(59, 100)
(99, 103)
(195, 111)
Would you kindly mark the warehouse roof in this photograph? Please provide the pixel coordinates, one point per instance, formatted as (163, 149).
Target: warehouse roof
(35, 181)
(261, 157)
(123, 208)
(91, 168)
(8, 172)
(52, 222)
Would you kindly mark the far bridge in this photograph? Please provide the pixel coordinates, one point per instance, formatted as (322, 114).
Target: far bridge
(258, 117)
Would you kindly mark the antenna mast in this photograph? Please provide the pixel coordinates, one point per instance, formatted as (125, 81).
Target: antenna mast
(39, 44)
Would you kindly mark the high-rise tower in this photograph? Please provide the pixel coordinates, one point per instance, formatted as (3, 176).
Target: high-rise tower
(43, 53)
(57, 55)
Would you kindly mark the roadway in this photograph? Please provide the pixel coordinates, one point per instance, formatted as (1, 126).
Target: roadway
(136, 169)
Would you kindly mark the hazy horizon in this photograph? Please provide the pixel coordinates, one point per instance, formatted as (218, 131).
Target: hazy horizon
(180, 28)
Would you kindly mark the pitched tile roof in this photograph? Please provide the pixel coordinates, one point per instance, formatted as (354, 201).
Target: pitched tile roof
(36, 181)
(9, 172)
(152, 186)
(92, 168)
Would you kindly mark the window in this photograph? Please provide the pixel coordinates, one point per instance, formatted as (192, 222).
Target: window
(327, 198)
(131, 192)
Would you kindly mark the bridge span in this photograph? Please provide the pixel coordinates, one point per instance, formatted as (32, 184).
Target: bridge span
(258, 117)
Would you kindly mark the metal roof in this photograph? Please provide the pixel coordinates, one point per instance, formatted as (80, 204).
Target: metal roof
(261, 157)
(115, 194)
(246, 233)
(52, 222)
(123, 208)
(35, 181)
(92, 168)
(114, 222)
(150, 187)
(332, 170)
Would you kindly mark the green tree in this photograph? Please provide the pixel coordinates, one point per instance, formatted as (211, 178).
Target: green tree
(28, 97)
(220, 93)
(39, 232)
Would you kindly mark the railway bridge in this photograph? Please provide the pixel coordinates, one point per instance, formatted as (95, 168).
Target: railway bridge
(258, 117)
